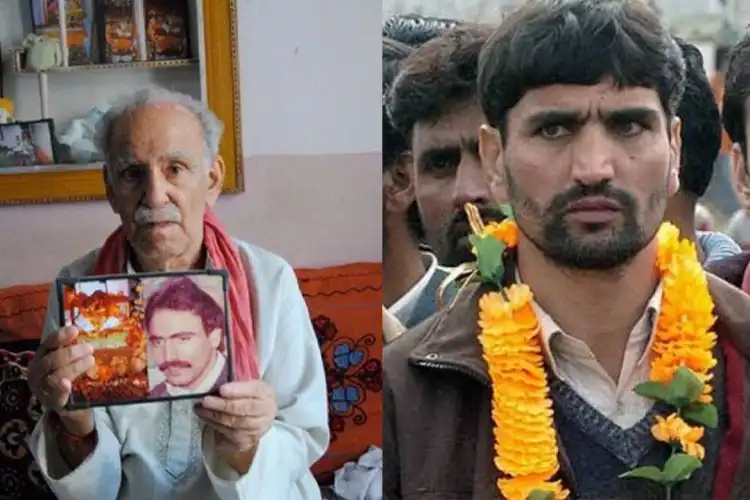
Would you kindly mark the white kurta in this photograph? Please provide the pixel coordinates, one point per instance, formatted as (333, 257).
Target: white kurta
(158, 451)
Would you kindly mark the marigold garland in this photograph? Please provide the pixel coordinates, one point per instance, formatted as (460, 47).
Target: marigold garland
(525, 438)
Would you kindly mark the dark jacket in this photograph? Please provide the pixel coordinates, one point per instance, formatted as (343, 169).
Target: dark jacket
(437, 430)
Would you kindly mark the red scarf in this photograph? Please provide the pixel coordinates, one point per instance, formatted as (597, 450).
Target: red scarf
(224, 255)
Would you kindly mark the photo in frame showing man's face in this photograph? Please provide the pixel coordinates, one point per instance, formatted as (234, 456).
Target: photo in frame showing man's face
(155, 336)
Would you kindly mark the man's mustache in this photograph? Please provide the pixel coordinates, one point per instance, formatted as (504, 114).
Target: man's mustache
(174, 364)
(562, 201)
(146, 215)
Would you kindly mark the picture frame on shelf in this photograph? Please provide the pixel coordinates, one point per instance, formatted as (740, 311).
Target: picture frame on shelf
(220, 79)
(27, 144)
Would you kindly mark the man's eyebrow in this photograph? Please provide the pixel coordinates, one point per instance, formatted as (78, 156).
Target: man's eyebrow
(633, 114)
(177, 155)
(556, 116)
(130, 160)
(439, 149)
(570, 116)
(181, 334)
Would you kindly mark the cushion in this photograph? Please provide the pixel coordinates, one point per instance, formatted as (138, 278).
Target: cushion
(22, 310)
(19, 411)
(345, 307)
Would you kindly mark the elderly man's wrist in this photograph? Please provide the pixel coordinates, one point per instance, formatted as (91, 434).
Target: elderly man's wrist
(240, 461)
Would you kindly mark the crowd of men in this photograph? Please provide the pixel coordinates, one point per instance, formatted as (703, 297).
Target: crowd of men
(565, 104)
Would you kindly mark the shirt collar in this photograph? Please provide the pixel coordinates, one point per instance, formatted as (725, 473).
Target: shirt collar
(642, 334)
(208, 382)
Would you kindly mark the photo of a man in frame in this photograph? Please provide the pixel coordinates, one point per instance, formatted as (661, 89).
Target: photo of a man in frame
(186, 336)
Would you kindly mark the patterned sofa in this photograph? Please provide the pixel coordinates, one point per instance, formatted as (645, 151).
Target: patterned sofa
(344, 303)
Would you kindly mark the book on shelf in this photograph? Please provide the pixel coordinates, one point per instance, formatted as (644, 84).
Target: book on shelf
(117, 31)
(167, 29)
(80, 27)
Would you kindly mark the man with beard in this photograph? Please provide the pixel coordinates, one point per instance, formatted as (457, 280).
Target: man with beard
(411, 277)
(433, 102)
(528, 382)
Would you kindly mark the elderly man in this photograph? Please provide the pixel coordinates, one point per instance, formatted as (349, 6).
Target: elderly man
(256, 438)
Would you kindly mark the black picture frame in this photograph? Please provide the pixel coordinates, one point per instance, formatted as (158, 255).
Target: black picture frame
(28, 147)
(65, 282)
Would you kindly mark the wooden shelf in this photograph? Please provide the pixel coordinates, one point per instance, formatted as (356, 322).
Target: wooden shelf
(62, 167)
(174, 63)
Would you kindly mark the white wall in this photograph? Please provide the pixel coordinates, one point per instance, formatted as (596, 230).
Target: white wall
(323, 69)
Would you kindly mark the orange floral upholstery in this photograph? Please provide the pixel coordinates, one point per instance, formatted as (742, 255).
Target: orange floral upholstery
(345, 307)
(22, 311)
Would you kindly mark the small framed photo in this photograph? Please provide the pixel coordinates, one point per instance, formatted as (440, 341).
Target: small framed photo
(156, 336)
(27, 144)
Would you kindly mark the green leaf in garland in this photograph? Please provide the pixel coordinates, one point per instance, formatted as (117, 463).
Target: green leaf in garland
(658, 391)
(507, 211)
(701, 413)
(680, 467)
(541, 495)
(650, 472)
(489, 258)
(685, 387)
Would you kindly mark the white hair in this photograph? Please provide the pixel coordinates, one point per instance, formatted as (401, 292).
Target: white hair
(213, 128)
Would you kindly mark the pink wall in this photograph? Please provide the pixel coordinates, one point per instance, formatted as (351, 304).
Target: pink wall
(311, 136)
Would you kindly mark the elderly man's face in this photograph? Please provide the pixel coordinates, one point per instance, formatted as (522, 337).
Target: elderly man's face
(160, 183)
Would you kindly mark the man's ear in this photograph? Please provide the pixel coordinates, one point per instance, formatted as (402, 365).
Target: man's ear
(675, 156)
(214, 337)
(491, 156)
(398, 184)
(216, 174)
(740, 172)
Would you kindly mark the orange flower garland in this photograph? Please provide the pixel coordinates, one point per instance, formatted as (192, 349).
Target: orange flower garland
(525, 439)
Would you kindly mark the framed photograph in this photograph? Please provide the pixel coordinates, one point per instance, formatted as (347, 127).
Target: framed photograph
(27, 143)
(156, 336)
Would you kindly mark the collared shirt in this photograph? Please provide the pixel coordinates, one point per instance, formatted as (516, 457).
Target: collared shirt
(404, 306)
(159, 451)
(571, 360)
(206, 384)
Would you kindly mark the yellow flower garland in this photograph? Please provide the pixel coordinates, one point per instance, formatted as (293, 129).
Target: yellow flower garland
(525, 446)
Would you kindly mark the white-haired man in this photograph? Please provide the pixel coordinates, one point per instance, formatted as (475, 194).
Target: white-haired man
(259, 436)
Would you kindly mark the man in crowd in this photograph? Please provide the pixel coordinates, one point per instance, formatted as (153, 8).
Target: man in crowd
(261, 433)
(433, 102)
(186, 339)
(701, 138)
(734, 115)
(411, 277)
(581, 98)
(720, 196)
(736, 269)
